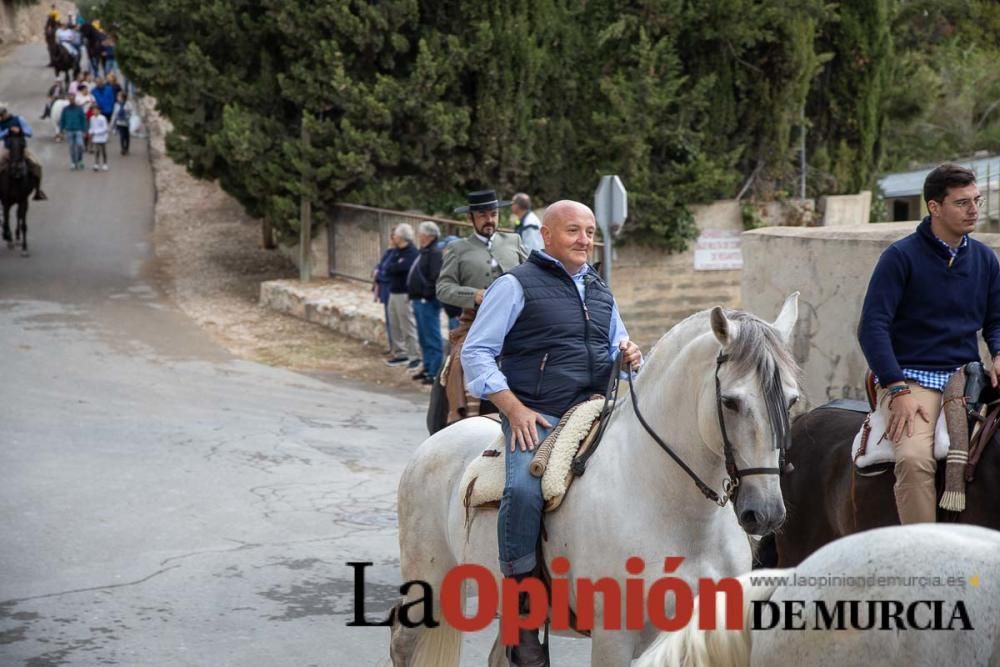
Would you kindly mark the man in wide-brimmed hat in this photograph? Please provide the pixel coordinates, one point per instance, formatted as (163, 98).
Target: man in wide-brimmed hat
(470, 266)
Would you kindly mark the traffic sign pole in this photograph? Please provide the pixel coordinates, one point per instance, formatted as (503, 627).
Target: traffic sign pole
(611, 210)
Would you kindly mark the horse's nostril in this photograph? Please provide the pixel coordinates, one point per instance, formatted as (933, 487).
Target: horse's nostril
(749, 519)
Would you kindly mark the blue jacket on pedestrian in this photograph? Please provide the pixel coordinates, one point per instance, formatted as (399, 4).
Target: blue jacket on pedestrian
(923, 308)
(105, 97)
(399, 268)
(382, 274)
(73, 119)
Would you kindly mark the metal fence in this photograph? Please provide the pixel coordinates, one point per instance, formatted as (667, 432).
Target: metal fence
(357, 236)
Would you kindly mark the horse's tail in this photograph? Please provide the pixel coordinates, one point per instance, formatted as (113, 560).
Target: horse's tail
(440, 646)
(693, 647)
(437, 647)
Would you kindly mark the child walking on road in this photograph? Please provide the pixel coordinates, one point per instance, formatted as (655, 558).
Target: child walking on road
(99, 139)
(121, 117)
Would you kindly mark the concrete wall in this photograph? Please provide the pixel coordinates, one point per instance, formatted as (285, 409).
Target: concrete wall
(840, 210)
(831, 268)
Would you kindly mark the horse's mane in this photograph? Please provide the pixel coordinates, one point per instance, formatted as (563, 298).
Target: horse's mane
(756, 348)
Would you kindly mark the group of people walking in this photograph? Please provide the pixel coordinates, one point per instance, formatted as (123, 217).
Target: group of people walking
(87, 113)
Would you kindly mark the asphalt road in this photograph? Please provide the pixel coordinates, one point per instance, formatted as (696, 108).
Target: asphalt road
(162, 502)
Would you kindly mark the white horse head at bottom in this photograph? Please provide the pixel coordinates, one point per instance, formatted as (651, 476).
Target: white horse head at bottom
(923, 594)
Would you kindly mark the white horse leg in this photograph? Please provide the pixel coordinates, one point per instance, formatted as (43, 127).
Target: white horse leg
(425, 491)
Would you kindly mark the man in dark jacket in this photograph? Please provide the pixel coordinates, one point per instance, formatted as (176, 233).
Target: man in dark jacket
(401, 320)
(928, 296)
(554, 326)
(422, 284)
(73, 124)
(381, 283)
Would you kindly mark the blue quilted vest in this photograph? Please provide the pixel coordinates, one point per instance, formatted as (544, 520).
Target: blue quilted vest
(556, 354)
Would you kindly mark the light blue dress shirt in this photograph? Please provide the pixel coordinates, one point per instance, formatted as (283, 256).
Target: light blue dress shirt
(501, 306)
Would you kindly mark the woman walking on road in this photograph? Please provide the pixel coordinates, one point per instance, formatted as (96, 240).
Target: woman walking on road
(120, 120)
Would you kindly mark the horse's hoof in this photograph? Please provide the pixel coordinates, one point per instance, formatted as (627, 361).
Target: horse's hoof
(25, 253)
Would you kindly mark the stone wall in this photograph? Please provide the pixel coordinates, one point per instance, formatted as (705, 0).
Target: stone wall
(27, 24)
(655, 290)
(831, 268)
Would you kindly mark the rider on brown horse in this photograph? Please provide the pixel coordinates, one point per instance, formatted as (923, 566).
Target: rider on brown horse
(9, 125)
(929, 295)
(470, 266)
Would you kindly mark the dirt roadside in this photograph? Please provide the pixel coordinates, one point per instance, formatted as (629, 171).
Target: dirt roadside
(209, 255)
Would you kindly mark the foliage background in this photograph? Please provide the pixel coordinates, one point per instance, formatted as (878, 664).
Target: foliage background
(409, 103)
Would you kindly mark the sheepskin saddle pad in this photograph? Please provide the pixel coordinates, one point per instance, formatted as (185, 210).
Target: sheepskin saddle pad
(483, 481)
(872, 446)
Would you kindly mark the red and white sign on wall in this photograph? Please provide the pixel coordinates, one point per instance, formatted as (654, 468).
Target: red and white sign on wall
(718, 250)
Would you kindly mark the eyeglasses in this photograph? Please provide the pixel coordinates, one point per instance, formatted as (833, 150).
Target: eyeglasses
(967, 204)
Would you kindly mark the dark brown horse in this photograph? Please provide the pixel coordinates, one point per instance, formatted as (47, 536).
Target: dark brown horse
(64, 63)
(51, 25)
(16, 185)
(822, 506)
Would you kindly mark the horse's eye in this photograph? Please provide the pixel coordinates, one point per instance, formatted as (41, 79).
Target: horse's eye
(792, 401)
(731, 403)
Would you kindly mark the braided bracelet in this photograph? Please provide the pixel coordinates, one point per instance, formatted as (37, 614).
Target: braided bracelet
(896, 394)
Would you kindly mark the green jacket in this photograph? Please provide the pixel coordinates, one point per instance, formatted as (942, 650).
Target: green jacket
(73, 119)
(468, 267)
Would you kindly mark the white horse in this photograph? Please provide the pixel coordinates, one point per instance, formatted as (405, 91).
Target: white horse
(966, 556)
(633, 500)
(56, 114)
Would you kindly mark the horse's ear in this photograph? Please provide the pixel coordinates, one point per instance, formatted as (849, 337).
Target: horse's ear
(721, 326)
(788, 316)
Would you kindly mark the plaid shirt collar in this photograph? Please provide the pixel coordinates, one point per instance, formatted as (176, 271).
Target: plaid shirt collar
(954, 251)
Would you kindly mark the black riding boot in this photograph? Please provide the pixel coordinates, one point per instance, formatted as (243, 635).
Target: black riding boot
(529, 651)
(39, 195)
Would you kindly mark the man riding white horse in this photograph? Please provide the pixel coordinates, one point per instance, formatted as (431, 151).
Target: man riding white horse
(555, 328)
(11, 125)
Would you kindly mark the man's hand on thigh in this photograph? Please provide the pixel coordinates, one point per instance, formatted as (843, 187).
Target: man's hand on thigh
(903, 413)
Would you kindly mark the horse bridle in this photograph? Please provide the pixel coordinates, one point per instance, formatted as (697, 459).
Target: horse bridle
(730, 485)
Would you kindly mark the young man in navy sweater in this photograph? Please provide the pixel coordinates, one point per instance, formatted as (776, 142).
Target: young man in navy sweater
(928, 296)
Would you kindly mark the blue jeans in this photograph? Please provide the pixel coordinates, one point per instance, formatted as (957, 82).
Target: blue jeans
(428, 316)
(519, 522)
(75, 142)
